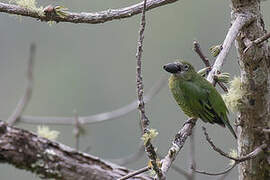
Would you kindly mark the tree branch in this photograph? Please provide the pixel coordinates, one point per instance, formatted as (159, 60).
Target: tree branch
(28, 90)
(50, 159)
(237, 160)
(240, 21)
(97, 118)
(149, 148)
(83, 17)
(251, 155)
(217, 173)
(197, 49)
(177, 144)
(257, 41)
(136, 156)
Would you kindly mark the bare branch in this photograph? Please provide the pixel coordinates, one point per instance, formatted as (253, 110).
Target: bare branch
(136, 156)
(257, 41)
(262, 39)
(97, 118)
(144, 120)
(237, 160)
(149, 148)
(222, 153)
(197, 49)
(266, 130)
(140, 171)
(52, 160)
(84, 17)
(251, 155)
(178, 169)
(216, 174)
(28, 90)
(177, 144)
(239, 22)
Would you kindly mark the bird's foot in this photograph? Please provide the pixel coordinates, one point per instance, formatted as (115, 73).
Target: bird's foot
(190, 121)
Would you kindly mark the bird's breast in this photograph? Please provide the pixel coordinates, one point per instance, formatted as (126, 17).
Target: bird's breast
(180, 97)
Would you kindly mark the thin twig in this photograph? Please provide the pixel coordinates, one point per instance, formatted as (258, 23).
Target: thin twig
(140, 171)
(216, 174)
(266, 130)
(249, 156)
(28, 90)
(149, 148)
(197, 49)
(136, 156)
(222, 153)
(258, 41)
(223, 87)
(237, 160)
(139, 80)
(97, 118)
(84, 17)
(239, 22)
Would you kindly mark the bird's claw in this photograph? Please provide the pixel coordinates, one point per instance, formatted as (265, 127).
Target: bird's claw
(189, 121)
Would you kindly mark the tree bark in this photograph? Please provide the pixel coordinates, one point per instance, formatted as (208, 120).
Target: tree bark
(254, 113)
(50, 159)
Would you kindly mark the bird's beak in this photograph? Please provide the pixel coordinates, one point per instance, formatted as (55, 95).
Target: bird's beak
(171, 68)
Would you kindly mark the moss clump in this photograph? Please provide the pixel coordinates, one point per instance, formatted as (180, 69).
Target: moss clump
(233, 99)
(44, 131)
(151, 134)
(31, 5)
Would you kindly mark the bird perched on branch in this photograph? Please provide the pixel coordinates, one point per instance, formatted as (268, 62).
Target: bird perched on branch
(197, 97)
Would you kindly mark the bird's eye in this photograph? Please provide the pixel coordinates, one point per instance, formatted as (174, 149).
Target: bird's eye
(186, 67)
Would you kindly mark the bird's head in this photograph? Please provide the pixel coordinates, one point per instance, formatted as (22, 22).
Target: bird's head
(181, 69)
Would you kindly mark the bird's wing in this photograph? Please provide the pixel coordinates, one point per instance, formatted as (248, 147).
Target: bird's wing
(205, 102)
(210, 105)
(211, 109)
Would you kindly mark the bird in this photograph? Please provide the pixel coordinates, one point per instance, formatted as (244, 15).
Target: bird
(196, 96)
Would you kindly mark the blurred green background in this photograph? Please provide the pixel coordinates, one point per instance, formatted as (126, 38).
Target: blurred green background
(91, 68)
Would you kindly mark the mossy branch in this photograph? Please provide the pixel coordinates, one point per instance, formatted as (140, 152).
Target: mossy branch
(84, 17)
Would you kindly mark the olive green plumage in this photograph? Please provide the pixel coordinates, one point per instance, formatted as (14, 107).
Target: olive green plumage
(196, 96)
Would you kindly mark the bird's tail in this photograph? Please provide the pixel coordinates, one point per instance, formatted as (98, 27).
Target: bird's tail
(227, 123)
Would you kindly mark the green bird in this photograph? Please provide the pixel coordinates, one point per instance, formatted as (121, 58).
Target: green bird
(197, 97)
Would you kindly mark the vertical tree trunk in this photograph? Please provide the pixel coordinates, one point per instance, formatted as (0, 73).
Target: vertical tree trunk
(255, 80)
